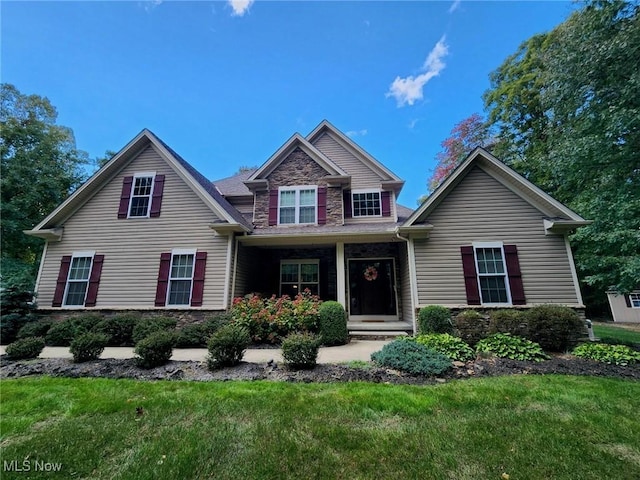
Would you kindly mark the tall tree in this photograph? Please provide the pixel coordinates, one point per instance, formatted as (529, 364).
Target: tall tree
(567, 106)
(471, 132)
(40, 167)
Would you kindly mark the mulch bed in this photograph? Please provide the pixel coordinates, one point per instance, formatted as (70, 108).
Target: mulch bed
(323, 373)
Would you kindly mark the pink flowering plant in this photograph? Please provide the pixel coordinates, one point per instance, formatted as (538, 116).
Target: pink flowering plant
(270, 319)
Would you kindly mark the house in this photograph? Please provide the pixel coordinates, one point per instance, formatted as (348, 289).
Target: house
(148, 232)
(625, 308)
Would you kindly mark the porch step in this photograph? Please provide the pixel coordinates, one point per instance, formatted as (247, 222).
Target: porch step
(376, 335)
(379, 330)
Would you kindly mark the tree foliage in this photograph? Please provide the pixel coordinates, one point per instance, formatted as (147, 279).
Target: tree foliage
(471, 132)
(40, 167)
(567, 109)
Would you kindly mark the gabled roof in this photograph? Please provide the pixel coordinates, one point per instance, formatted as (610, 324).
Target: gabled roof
(296, 141)
(387, 175)
(558, 216)
(234, 186)
(194, 179)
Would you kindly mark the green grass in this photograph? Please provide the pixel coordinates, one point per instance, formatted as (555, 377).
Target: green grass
(530, 427)
(616, 335)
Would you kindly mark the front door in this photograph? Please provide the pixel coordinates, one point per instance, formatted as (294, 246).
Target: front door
(372, 293)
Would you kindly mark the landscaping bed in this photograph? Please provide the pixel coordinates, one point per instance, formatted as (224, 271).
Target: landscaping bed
(323, 373)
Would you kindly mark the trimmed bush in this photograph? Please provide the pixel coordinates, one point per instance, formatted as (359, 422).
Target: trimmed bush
(509, 321)
(155, 349)
(25, 348)
(333, 323)
(300, 350)
(197, 335)
(38, 328)
(227, 346)
(119, 329)
(434, 319)
(471, 326)
(554, 327)
(16, 305)
(611, 354)
(62, 333)
(504, 345)
(88, 346)
(412, 358)
(452, 347)
(146, 326)
(10, 325)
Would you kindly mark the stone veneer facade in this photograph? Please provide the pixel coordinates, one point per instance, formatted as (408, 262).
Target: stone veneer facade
(298, 169)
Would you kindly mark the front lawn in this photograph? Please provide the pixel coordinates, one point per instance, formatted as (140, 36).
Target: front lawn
(617, 334)
(529, 427)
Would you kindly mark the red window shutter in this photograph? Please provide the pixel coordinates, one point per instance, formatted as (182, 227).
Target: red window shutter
(470, 277)
(127, 184)
(627, 300)
(163, 279)
(61, 283)
(156, 199)
(322, 205)
(385, 198)
(346, 198)
(515, 277)
(94, 281)
(197, 290)
(273, 207)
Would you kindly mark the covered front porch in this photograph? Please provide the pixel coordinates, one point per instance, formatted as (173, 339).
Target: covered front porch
(370, 279)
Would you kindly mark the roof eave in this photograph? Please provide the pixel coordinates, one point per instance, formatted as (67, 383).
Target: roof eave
(554, 227)
(49, 234)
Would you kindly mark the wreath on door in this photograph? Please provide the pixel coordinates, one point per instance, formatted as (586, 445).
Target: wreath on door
(370, 273)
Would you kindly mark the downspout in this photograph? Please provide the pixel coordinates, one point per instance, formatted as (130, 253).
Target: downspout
(412, 278)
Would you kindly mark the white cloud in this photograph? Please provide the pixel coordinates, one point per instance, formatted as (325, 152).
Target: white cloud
(240, 7)
(454, 6)
(149, 5)
(356, 133)
(408, 90)
(413, 123)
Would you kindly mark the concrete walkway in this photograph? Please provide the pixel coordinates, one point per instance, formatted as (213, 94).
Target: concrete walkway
(355, 350)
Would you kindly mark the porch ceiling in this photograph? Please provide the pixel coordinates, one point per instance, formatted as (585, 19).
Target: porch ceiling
(318, 239)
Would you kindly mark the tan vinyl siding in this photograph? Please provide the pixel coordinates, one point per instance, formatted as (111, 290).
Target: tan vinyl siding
(247, 257)
(132, 247)
(619, 309)
(405, 285)
(482, 209)
(361, 175)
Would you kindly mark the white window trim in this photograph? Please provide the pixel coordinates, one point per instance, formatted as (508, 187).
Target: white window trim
(635, 295)
(297, 189)
(500, 245)
(353, 210)
(299, 262)
(84, 254)
(174, 252)
(133, 186)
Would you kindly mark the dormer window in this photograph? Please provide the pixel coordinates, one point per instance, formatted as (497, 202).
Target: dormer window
(297, 205)
(366, 203)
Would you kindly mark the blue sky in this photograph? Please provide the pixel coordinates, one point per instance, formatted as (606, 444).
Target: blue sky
(225, 84)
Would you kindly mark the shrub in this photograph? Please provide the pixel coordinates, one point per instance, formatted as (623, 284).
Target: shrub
(25, 348)
(509, 321)
(612, 354)
(471, 326)
(448, 345)
(119, 329)
(88, 346)
(554, 327)
(146, 326)
(197, 335)
(227, 346)
(16, 305)
(155, 349)
(504, 345)
(300, 350)
(333, 324)
(37, 328)
(62, 333)
(11, 324)
(434, 319)
(412, 358)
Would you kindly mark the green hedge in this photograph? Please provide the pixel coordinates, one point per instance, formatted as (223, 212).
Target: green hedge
(333, 323)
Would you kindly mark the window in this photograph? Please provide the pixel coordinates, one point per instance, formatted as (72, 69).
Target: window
(297, 205)
(141, 195)
(181, 278)
(78, 279)
(298, 275)
(366, 204)
(634, 299)
(492, 274)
